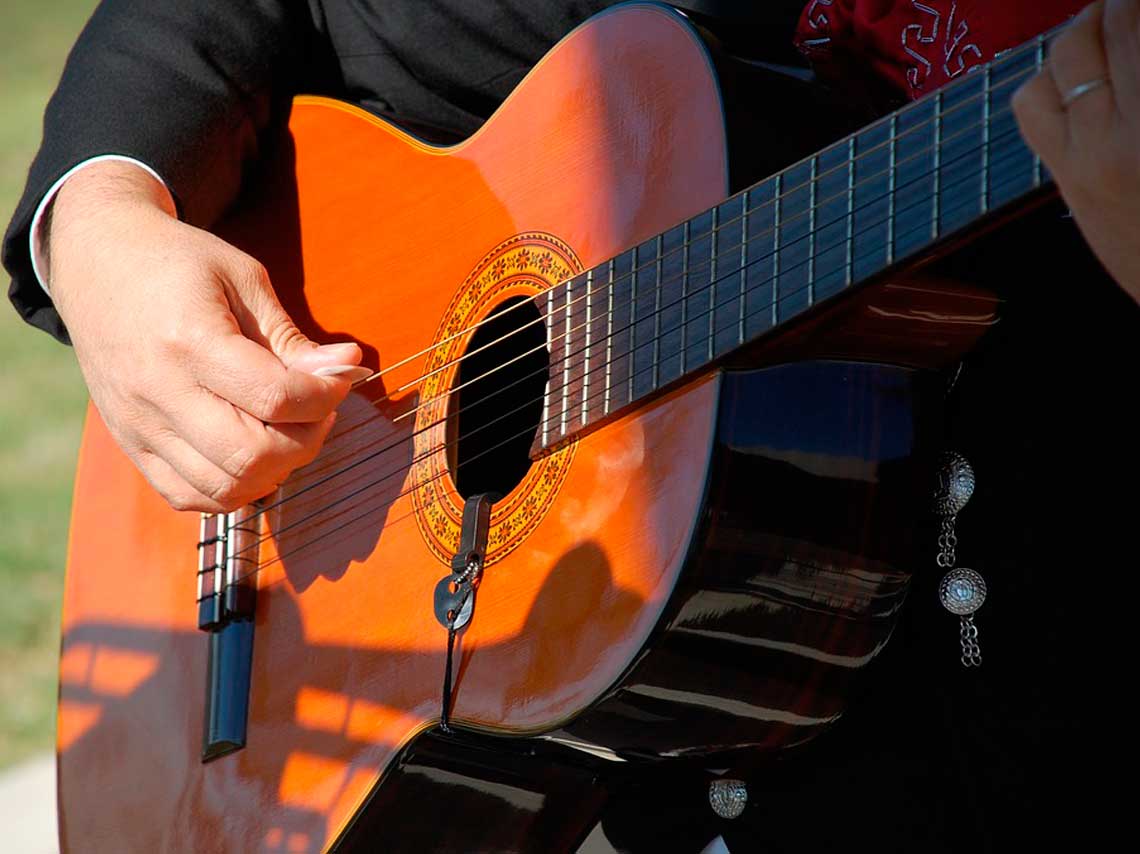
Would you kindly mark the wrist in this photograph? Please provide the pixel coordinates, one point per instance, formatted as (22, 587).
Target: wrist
(101, 200)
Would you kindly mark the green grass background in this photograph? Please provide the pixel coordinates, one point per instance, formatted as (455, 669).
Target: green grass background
(42, 399)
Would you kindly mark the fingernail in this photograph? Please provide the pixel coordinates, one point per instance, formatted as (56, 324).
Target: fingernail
(352, 373)
(346, 350)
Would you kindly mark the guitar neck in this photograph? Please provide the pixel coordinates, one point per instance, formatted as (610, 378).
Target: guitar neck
(880, 197)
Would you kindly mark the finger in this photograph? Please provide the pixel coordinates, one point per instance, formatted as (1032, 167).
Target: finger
(1121, 36)
(258, 455)
(262, 319)
(206, 478)
(1076, 58)
(172, 486)
(1043, 123)
(254, 380)
(327, 360)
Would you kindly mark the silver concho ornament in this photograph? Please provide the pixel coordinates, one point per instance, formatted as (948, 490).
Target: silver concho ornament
(728, 797)
(955, 485)
(962, 591)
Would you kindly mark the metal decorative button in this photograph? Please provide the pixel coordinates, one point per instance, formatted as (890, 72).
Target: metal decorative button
(728, 797)
(955, 485)
(962, 591)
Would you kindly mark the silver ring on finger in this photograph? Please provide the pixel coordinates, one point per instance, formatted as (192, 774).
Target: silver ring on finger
(1080, 91)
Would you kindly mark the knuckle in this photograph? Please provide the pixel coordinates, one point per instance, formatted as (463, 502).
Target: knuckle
(284, 336)
(253, 273)
(182, 501)
(241, 462)
(177, 338)
(1062, 49)
(225, 491)
(183, 498)
(193, 338)
(273, 403)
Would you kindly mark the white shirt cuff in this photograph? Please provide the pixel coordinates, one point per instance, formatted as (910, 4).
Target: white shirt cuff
(36, 238)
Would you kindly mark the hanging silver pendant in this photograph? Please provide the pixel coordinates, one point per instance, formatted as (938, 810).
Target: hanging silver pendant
(955, 484)
(728, 797)
(962, 590)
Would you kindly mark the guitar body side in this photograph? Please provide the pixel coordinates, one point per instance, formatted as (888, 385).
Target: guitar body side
(614, 137)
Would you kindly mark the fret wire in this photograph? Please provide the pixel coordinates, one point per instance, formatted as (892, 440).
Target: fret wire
(546, 392)
(936, 202)
(811, 231)
(776, 251)
(985, 177)
(1039, 63)
(712, 279)
(685, 235)
(635, 267)
(850, 254)
(891, 192)
(566, 362)
(657, 315)
(743, 264)
(586, 348)
(609, 335)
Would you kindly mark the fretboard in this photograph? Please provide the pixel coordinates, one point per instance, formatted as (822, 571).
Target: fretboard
(628, 327)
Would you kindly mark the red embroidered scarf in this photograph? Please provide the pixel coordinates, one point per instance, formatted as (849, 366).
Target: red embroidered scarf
(916, 46)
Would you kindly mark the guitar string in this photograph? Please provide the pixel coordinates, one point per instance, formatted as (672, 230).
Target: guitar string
(659, 261)
(658, 290)
(403, 468)
(658, 311)
(851, 163)
(378, 506)
(303, 479)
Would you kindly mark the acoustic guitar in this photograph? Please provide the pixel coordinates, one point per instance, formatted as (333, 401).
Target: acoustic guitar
(633, 485)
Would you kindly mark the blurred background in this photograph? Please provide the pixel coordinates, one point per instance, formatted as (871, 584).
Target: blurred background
(42, 401)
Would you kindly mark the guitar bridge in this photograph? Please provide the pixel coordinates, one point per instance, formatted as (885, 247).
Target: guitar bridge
(227, 596)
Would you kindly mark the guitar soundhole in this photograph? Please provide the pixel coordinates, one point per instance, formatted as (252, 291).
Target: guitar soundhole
(497, 403)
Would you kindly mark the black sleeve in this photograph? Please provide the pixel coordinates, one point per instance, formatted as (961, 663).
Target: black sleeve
(186, 87)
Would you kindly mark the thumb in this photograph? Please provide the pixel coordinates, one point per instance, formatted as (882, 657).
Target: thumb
(262, 319)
